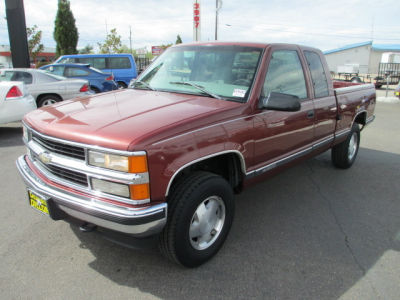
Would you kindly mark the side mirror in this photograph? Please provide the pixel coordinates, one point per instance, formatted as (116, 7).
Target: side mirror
(281, 102)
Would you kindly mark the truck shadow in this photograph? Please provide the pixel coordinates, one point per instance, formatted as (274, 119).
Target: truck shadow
(312, 232)
(11, 135)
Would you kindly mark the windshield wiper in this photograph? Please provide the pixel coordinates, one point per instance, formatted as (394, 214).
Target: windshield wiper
(199, 87)
(145, 84)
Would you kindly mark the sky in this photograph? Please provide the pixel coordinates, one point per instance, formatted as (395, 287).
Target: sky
(322, 24)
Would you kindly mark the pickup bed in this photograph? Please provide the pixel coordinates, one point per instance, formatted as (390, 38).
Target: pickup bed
(202, 123)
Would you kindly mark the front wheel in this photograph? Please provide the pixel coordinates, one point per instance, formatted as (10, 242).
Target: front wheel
(201, 210)
(345, 153)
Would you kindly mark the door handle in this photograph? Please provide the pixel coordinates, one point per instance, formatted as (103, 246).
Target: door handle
(310, 114)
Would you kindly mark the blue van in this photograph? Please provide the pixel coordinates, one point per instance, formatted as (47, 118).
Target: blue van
(122, 66)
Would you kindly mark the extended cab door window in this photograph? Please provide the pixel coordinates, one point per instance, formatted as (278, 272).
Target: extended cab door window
(285, 75)
(318, 75)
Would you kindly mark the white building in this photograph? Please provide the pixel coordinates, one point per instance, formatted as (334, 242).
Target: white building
(362, 56)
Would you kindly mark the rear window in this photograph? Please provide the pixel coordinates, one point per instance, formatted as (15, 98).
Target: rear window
(118, 63)
(25, 77)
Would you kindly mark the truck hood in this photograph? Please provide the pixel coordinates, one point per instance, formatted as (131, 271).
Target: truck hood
(122, 119)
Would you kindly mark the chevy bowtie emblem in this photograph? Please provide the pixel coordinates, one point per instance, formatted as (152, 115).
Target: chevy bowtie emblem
(45, 157)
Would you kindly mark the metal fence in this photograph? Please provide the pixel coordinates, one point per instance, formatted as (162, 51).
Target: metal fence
(141, 63)
(390, 69)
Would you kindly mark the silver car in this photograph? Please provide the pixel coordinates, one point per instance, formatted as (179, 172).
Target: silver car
(47, 88)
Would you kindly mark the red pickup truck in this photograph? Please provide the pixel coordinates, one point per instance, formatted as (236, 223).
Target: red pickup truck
(203, 122)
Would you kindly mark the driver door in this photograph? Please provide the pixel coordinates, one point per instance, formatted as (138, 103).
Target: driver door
(283, 136)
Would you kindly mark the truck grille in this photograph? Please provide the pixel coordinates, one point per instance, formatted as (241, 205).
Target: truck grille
(69, 175)
(60, 148)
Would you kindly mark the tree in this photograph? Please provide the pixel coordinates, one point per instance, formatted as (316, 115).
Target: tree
(65, 31)
(34, 39)
(112, 44)
(87, 50)
(178, 39)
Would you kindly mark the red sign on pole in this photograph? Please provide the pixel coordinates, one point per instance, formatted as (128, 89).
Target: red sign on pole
(196, 20)
(156, 50)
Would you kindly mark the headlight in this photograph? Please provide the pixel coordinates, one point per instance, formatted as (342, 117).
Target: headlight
(131, 164)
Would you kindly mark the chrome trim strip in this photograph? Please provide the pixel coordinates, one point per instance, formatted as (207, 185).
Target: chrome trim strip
(341, 133)
(97, 148)
(242, 163)
(323, 142)
(279, 162)
(289, 158)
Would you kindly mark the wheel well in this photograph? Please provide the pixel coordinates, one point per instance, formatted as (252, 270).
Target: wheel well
(94, 88)
(361, 118)
(40, 97)
(227, 166)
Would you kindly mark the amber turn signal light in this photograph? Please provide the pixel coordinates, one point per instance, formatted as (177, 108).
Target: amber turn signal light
(140, 191)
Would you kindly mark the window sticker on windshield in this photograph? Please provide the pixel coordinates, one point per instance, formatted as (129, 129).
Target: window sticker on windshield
(239, 93)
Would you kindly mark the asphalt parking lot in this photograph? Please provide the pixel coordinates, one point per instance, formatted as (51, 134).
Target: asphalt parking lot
(312, 232)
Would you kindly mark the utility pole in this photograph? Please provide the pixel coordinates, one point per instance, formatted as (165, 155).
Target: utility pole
(17, 33)
(108, 48)
(130, 38)
(218, 5)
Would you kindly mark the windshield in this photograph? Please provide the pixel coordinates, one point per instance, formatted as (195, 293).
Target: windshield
(223, 72)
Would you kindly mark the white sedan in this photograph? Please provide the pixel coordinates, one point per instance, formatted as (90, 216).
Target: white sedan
(15, 101)
(45, 87)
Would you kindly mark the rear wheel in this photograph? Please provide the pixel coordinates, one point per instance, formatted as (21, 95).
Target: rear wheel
(345, 153)
(48, 100)
(121, 85)
(201, 209)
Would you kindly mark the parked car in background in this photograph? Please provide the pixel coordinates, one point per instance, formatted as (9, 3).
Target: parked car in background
(122, 66)
(15, 101)
(397, 91)
(98, 81)
(47, 88)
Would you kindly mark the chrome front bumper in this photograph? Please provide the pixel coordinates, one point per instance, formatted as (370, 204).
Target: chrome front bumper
(139, 222)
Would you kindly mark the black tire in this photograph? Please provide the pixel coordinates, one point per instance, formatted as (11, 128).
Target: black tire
(187, 198)
(345, 153)
(121, 85)
(48, 100)
(95, 89)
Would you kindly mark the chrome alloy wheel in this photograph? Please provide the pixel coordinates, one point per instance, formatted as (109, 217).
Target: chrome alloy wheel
(49, 102)
(353, 144)
(207, 223)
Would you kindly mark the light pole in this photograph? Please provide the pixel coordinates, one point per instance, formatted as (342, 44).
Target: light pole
(218, 5)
